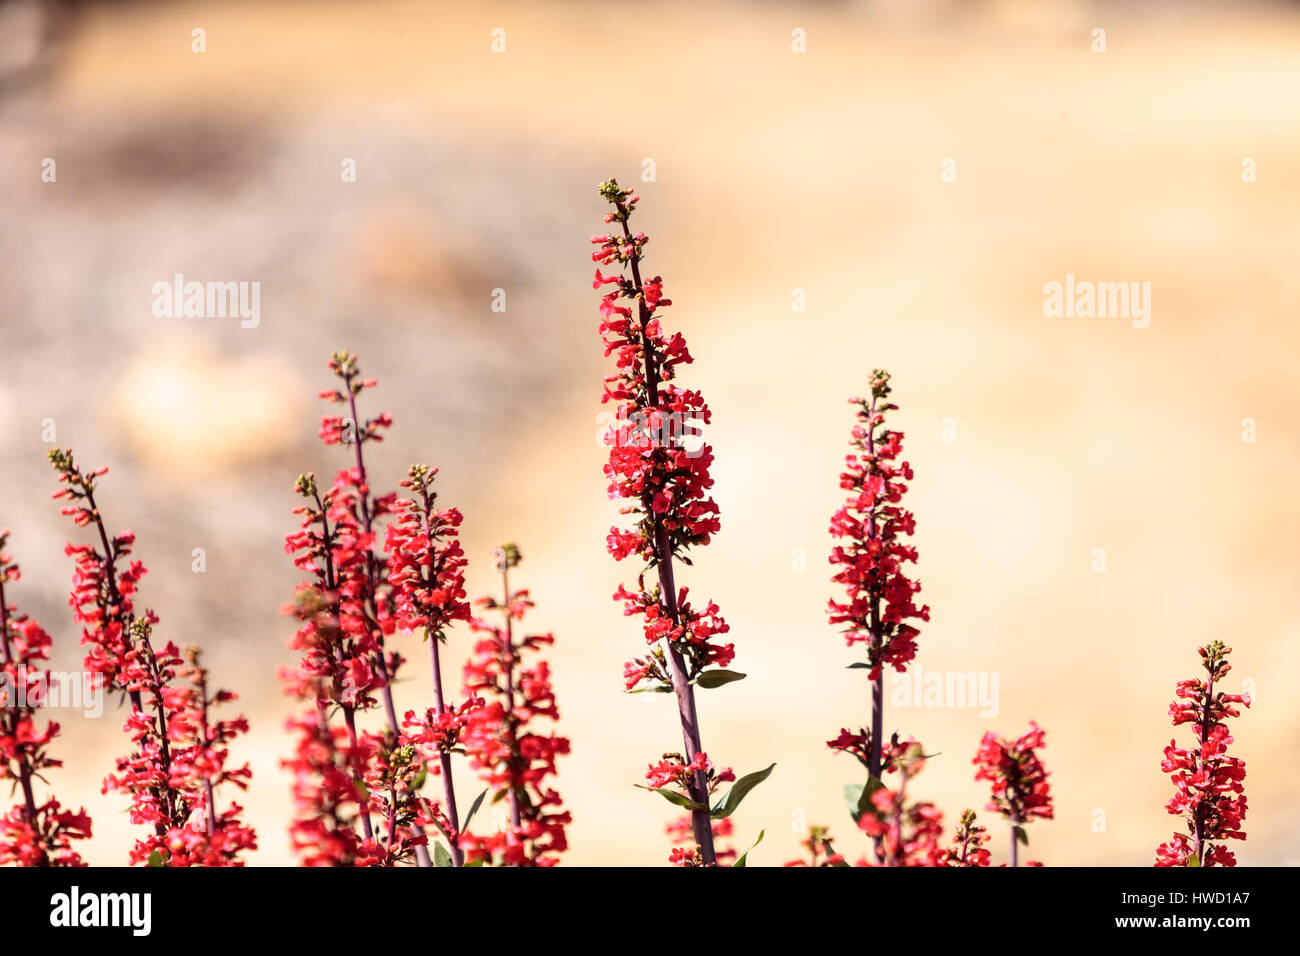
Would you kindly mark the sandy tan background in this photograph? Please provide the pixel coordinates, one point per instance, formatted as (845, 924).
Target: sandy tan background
(775, 171)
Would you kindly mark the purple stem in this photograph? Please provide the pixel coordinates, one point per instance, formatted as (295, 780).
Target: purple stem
(381, 665)
(701, 822)
(457, 854)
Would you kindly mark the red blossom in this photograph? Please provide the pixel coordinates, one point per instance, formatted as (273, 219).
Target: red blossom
(1210, 785)
(661, 473)
(514, 755)
(32, 833)
(179, 754)
(871, 525)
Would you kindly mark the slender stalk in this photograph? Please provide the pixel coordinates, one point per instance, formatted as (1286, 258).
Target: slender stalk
(701, 823)
(208, 799)
(349, 718)
(381, 665)
(24, 771)
(457, 854)
(874, 759)
(1015, 842)
(110, 574)
(1198, 817)
(513, 796)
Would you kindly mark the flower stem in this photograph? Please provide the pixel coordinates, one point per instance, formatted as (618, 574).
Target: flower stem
(515, 760)
(381, 665)
(24, 771)
(444, 758)
(701, 823)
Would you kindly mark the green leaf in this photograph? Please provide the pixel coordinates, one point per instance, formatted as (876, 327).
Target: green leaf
(672, 796)
(853, 797)
(738, 792)
(441, 855)
(420, 777)
(1192, 860)
(740, 860)
(156, 859)
(718, 678)
(1022, 835)
(656, 689)
(858, 796)
(473, 809)
(860, 665)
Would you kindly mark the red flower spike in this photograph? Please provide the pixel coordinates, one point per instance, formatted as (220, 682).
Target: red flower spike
(871, 556)
(32, 833)
(662, 474)
(514, 756)
(1210, 785)
(1020, 788)
(179, 755)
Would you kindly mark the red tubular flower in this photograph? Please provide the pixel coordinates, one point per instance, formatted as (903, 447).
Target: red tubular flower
(664, 480)
(904, 834)
(820, 851)
(1210, 784)
(681, 831)
(871, 557)
(514, 757)
(179, 756)
(1020, 789)
(32, 833)
(426, 571)
(333, 767)
(968, 843)
(365, 604)
(366, 601)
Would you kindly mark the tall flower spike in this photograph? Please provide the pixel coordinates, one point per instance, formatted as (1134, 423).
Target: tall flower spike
(177, 757)
(32, 833)
(664, 481)
(1210, 784)
(333, 767)
(514, 755)
(871, 556)
(1020, 788)
(426, 570)
(366, 603)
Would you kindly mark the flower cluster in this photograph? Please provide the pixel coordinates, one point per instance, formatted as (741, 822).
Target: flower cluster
(821, 853)
(182, 741)
(1020, 790)
(335, 768)
(904, 833)
(513, 755)
(968, 843)
(32, 833)
(179, 755)
(426, 572)
(652, 466)
(686, 853)
(674, 771)
(1210, 784)
(871, 524)
(365, 601)
(662, 475)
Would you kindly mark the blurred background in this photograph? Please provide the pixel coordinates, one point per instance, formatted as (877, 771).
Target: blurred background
(770, 178)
